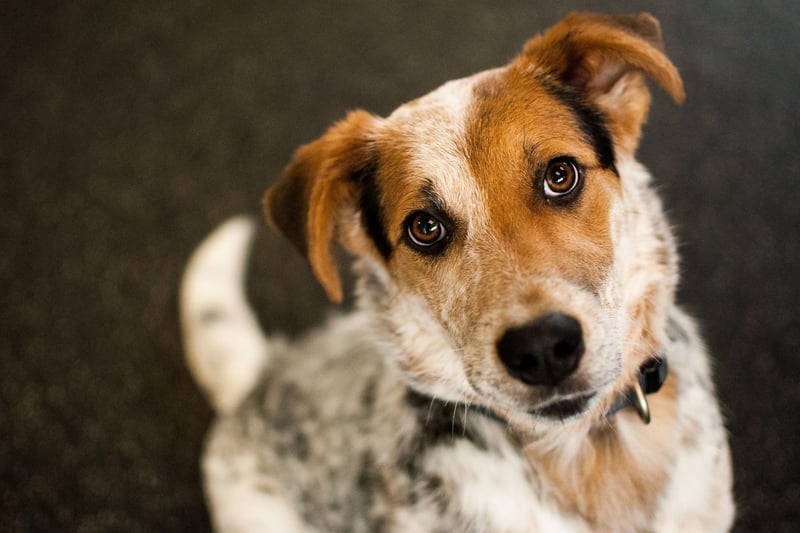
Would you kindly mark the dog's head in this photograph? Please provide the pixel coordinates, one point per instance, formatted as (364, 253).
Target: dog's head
(510, 246)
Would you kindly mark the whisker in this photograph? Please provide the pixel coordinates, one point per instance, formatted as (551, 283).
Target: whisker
(430, 408)
(453, 423)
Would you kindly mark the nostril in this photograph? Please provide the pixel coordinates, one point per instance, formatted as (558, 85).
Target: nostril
(521, 360)
(564, 349)
(565, 358)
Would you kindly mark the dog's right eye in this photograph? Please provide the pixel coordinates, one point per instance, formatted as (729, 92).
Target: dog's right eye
(561, 178)
(426, 232)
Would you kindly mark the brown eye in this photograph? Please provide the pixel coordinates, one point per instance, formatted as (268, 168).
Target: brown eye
(561, 178)
(425, 230)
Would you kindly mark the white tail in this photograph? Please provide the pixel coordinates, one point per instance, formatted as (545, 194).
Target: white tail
(225, 347)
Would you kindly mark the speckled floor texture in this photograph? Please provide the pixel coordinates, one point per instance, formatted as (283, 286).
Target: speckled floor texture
(129, 130)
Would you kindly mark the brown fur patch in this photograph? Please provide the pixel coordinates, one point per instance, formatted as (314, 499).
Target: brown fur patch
(516, 128)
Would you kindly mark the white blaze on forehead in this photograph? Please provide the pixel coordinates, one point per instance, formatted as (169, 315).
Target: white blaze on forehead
(434, 128)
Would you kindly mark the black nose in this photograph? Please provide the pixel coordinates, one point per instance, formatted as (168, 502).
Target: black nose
(544, 351)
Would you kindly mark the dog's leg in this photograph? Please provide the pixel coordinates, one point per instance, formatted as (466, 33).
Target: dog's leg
(225, 347)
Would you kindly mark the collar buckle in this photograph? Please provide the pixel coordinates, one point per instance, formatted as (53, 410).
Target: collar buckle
(652, 375)
(639, 401)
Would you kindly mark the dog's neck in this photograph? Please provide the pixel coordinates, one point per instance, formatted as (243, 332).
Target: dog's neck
(617, 459)
(597, 469)
(590, 466)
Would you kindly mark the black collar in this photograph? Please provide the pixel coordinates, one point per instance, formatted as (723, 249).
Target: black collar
(652, 375)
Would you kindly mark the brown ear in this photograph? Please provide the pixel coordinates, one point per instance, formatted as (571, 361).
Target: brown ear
(316, 189)
(604, 57)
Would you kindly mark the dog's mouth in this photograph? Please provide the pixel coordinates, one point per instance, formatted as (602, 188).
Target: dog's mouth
(563, 409)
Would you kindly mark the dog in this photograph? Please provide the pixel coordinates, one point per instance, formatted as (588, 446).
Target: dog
(516, 361)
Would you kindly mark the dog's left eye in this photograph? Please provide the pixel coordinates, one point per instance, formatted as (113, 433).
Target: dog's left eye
(561, 178)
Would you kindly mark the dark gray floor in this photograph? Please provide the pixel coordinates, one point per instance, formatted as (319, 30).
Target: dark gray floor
(129, 131)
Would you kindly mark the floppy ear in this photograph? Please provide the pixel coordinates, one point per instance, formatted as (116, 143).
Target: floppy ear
(604, 57)
(318, 188)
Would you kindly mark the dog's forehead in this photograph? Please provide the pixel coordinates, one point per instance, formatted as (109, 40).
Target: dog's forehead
(423, 148)
(470, 143)
(433, 126)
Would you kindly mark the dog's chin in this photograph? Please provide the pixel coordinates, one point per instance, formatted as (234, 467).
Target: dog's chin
(564, 409)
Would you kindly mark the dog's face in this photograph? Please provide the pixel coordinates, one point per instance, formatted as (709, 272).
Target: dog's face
(510, 248)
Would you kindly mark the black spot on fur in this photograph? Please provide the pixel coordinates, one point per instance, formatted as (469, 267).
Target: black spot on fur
(591, 121)
(368, 481)
(441, 422)
(675, 332)
(430, 488)
(211, 315)
(301, 449)
(369, 204)
(286, 406)
(371, 486)
(369, 394)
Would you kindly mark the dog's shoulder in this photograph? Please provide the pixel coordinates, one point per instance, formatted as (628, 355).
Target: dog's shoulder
(698, 497)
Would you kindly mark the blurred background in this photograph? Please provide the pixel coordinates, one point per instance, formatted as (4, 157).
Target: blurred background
(128, 130)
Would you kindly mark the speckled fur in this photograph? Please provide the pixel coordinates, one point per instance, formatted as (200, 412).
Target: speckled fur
(399, 417)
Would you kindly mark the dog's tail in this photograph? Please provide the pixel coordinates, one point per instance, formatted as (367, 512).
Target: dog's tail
(225, 347)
